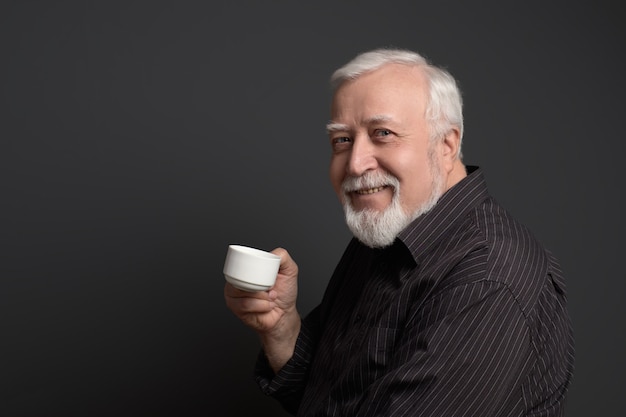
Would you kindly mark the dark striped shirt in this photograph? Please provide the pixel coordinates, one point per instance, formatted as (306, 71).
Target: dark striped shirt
(464, 315)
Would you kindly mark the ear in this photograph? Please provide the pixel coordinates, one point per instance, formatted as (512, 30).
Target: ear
(450, 146)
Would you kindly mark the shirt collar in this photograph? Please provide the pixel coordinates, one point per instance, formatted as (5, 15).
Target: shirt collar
(425, 231)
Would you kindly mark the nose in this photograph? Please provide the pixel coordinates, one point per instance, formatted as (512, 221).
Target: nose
(362, 157)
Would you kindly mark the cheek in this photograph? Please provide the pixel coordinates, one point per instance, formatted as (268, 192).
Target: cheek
(416, 181)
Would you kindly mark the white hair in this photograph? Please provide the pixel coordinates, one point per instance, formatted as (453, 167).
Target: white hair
(445, 106)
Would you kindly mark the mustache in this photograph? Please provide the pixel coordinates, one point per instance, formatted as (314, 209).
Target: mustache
(370, 179)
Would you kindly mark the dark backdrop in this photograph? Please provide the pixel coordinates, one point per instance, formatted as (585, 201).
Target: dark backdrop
(139, 139)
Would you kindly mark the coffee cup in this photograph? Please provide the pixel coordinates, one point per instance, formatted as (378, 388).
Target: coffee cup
(250, 269)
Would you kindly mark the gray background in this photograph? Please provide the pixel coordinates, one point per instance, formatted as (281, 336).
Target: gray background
(139, 139)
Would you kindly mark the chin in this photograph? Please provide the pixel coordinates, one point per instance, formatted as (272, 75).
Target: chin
(377, 228)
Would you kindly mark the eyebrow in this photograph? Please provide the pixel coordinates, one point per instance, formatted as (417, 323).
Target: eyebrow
(341, 127)
(336, 127)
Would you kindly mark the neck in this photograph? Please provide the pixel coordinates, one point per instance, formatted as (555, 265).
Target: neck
(455, 175)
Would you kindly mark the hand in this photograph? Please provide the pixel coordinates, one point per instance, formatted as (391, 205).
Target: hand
(272, 314)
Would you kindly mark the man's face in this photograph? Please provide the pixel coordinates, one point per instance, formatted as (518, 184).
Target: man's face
(378, 126)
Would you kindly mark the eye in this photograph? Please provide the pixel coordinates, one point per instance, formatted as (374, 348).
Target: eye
(382, 132)
(340, 140)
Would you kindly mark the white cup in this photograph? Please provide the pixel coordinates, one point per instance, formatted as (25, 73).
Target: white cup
(250, 269)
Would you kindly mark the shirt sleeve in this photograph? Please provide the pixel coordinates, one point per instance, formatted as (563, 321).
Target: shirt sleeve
(461, 356)
(287, 386)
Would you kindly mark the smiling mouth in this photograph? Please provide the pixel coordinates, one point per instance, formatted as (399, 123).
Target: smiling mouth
(370, 190)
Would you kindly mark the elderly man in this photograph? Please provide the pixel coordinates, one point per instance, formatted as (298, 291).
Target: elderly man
(442, 304)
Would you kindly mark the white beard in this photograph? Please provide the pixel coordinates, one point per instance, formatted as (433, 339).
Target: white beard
(379, 229)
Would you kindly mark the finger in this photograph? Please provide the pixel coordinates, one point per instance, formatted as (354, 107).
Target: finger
(234, 292)
(248, 302)
(284, 255)
(242, 307)
(287, 265)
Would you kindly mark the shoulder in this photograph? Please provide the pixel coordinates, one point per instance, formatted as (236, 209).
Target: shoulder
(511, 246)
(513, 255)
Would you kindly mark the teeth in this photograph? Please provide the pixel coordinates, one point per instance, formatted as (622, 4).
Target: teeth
(370, 191)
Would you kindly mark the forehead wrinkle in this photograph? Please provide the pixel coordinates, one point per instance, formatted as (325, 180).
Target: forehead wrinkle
(379, 118)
